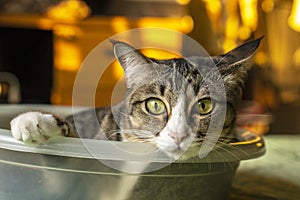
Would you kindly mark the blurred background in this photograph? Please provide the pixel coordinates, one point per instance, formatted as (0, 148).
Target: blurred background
(43, 43)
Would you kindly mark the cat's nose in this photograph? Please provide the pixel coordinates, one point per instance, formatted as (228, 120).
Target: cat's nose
(178, 137)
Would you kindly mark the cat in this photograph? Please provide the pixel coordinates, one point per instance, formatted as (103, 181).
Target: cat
(168, 102)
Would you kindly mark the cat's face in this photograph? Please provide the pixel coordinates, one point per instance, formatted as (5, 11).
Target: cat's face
(172, 103)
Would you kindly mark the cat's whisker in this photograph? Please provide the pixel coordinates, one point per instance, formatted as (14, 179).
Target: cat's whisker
(222, 58)
(231, 164)
(138, 135)
(229, 152)
(155, 153)
(223, 158)
(110, 134)
(235, 148)
(123, 113)
(209, 161)
(113, 131)
(108, 137)
(226, 147)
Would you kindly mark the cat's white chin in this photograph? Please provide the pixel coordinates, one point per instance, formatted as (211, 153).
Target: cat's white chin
(171, 148)
(176, 154)
(173, 151)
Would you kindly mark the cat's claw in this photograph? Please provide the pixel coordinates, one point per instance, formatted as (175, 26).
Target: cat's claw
(36, 128)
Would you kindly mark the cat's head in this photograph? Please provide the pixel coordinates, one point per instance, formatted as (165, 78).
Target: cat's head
(171, 102)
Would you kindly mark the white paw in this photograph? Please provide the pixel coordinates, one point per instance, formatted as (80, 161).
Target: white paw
(35, 128)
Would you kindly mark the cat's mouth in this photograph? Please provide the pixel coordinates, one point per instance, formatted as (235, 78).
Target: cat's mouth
(186, 147)
(176, 154)
(175, 151)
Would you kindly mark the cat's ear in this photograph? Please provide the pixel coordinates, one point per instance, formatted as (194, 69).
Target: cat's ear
(239, 55)
(127, 55)
(234, 67)
(133, 62)
(234, 64)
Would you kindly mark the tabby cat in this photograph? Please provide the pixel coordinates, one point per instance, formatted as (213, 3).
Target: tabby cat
(168, 102)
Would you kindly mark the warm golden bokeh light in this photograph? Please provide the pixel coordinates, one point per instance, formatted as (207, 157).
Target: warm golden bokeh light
(267, 5)
(248, 9)
(232, 20)
(118, 71)
(259, 144)
(67, 55)
(183, 2)
(69, 10)
(294, 19)
(73, 41)
(231, 25)
(67, 32)
(120, 24)
(45, 23)
(296, 58)
(184, 24)
(1, 89)
(261, 58)
(213, 6)
(244, 33)
(187, 24)
(160, 53)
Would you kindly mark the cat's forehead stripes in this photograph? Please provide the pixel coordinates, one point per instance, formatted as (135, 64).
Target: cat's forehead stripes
(178, 74)
(162, 89)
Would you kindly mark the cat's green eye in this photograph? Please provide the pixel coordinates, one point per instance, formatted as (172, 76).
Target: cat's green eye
(155, 106)
(205, 106)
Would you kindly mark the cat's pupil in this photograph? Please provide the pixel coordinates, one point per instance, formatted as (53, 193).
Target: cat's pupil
(202, 105)
(156, 106)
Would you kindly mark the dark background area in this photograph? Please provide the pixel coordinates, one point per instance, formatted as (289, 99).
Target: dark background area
(28, 54)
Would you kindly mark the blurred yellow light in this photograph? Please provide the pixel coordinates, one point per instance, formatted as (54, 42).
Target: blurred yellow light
(69, 10)
(214, 10)
(68, 56)
(296, 58)
(294, 19)
(118, 71)
(244, 33)
(67, 32)
(159, 54)
(267, 5)
(228, 44)
(231, 25)
(184, 24)
(56, 98)
(187, 24)
(183, 2)
(249, 13)
(120, 24)
(261, 58)
(213, 7)
(161, 38)
(259, 144)
(45, 23)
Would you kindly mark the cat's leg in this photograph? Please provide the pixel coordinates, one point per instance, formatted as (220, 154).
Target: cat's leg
(35, 128)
